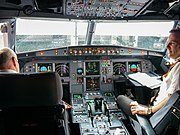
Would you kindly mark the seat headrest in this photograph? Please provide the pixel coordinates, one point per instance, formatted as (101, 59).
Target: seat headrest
(35, 89)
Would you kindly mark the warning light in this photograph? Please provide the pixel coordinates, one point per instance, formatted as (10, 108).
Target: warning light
(142, 52)
(56, 51)
(41, 53)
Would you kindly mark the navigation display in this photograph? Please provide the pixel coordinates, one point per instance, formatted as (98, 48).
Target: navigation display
(119, 68)
(134, 67)
(44, 67)
(62, 69)
(92, 68)
(92, 83)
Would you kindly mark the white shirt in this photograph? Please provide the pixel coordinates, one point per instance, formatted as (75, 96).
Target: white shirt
(8, 71)
(170, 84)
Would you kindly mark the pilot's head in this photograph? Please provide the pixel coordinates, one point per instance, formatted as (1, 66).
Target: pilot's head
(8, 60)
(173, 44)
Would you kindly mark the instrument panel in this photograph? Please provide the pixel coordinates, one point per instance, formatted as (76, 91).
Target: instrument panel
(89, 68)
(90, 73)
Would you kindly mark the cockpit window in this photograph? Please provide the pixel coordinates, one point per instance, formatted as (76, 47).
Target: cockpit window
(32, 35)
(146, 35)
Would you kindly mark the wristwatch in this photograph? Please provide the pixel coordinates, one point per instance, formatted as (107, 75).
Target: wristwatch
(149, 111)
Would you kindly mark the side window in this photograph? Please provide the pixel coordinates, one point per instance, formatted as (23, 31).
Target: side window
(3, 35)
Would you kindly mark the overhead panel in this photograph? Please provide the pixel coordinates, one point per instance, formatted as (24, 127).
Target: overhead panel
(103, 8)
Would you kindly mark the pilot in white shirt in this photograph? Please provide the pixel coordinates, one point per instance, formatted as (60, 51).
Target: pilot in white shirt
(169, 84)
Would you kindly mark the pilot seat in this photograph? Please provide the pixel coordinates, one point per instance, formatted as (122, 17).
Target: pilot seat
(165, 121)
(31, 104)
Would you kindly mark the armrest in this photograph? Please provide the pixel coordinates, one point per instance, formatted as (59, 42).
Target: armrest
(145, 125)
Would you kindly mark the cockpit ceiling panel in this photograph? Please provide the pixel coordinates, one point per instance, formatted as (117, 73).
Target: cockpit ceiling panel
(93, 9)
(103, 8)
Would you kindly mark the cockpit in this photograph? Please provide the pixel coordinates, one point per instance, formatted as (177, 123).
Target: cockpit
(99, 48)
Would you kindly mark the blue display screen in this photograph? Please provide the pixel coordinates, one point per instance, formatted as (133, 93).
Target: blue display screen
(79, 71)
(44, 67)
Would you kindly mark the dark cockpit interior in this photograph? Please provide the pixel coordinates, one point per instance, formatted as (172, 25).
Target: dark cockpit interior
(100, 49)
(94, 9)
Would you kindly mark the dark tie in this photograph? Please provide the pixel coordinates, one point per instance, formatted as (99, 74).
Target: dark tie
(165, 75)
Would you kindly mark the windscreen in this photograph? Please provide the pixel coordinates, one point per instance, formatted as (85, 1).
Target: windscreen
(32, 35)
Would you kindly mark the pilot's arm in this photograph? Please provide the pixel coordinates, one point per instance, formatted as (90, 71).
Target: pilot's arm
(173, 86)
(145, 110)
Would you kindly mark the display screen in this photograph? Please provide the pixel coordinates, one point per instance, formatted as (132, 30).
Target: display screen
(92, 83)
(108, 94)
(119, 68)
(44, 67)
(80, 71)
(92, 68)
(134, 67)
(62, 69)
(77, 96)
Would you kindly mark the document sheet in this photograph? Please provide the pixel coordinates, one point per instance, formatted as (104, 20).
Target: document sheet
(146, 80)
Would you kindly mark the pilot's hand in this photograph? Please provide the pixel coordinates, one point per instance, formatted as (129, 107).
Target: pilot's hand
(138, 109)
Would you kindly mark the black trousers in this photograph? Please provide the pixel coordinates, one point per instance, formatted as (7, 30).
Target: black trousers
(124, 103)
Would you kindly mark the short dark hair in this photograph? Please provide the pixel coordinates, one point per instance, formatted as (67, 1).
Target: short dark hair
(175, 30)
